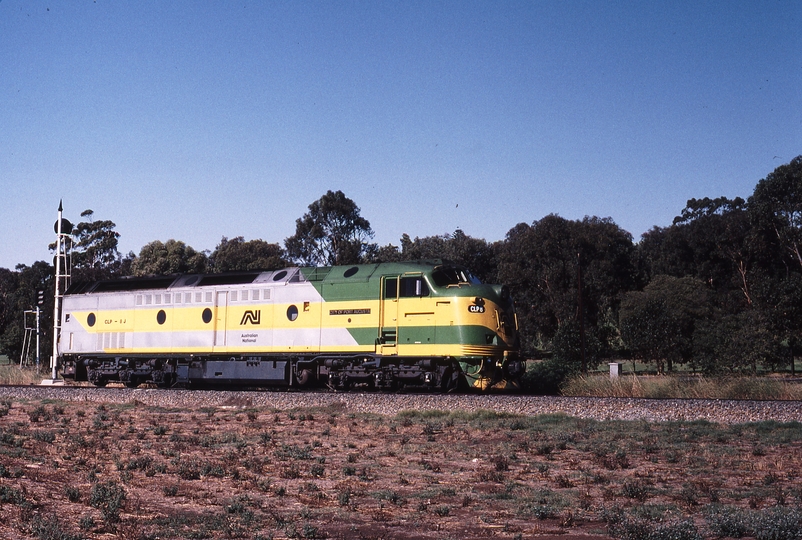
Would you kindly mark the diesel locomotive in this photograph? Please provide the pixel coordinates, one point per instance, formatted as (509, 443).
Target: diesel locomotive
(386, 326)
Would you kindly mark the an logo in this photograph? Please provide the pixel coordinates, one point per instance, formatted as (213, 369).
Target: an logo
(251, 316)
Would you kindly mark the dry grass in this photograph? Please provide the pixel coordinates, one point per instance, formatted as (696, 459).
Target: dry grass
(13, 374)
(666, 386)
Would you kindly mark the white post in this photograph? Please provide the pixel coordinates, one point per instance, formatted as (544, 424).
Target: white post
(37, 338)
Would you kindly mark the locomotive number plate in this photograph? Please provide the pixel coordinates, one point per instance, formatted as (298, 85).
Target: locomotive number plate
(476, 309)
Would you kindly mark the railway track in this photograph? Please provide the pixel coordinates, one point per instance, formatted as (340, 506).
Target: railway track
(651, 410)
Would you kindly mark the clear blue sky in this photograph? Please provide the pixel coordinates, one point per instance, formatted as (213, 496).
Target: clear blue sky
(196, 120)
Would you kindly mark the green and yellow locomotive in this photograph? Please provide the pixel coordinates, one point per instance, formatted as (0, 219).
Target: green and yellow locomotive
(421, 324)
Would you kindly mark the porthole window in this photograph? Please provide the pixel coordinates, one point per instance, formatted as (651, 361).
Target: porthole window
(292, 313)
(91, 319)
(280, 275)
(161, 316)
(351, 271)
(207, 315)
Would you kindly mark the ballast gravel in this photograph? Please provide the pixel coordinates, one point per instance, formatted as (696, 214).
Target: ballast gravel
(651, 410)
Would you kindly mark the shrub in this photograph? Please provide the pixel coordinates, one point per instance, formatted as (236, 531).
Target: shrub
(635, 489)
(73, 494)
(12, 495)
(109, 498)
(49, 528)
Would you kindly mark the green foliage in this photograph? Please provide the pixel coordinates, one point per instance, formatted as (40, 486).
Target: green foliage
(171, 257)
(332, 232)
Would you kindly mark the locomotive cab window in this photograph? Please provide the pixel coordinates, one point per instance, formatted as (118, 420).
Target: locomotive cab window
(448, 276)
(412, 287)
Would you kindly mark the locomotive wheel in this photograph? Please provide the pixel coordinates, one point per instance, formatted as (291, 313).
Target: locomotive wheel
(304, 377)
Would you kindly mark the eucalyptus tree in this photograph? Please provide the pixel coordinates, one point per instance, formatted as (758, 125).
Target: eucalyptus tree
(476, 254)
(332, 232)
(544, 265)
(238, 255)
(658, 323)
(172, 257)
(776, 211)
(94, 251)
(19, 292)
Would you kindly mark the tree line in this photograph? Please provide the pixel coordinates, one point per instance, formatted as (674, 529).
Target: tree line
(718, 291)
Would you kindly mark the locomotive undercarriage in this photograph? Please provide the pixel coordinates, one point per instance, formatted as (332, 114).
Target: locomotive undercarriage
(338, 372)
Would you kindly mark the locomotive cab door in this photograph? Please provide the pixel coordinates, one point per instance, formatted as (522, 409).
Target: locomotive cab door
(388, 324)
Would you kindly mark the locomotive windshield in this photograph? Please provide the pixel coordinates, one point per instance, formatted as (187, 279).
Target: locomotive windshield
(445, 276)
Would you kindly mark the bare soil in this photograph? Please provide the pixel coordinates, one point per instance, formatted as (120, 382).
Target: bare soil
(84, 470)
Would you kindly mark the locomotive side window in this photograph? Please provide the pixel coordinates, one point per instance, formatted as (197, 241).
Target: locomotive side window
(413, 286)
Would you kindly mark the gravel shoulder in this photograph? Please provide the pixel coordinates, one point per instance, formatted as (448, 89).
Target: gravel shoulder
(650, 410)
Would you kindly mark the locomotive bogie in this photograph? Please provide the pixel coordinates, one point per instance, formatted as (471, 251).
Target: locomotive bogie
(382, 325)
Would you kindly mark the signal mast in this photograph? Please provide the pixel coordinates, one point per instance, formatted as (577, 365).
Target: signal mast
(63, 229)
